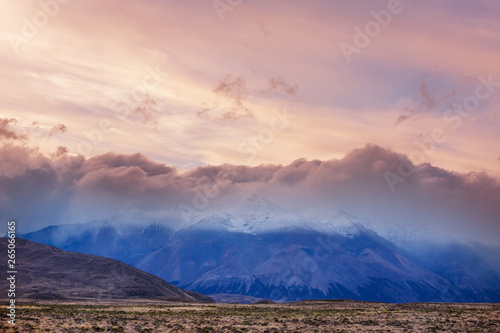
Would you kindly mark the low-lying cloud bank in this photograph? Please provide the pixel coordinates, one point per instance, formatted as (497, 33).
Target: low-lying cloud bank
(38, 190)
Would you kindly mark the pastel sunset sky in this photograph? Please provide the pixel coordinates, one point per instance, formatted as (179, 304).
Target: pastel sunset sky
(189, 84)
(91, 55)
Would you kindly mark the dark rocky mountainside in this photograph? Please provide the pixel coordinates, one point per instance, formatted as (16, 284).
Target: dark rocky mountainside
(46, 272)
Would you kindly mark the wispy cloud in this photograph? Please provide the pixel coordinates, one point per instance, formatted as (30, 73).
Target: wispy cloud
(279, 84)
(424, 102)
(231, 94)
(148, 111)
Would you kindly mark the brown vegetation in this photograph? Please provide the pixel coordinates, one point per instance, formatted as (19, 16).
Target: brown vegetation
(307, 316)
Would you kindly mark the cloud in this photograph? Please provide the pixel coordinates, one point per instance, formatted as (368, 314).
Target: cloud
(148, 110)
(60, 152)
(59, 128)
(424, 102)
(279, 84)
(433, 95)
(115, 161)
(106, 185)
(231, 94)
(8, 132)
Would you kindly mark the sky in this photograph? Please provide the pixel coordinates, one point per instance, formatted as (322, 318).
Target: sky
(101, 91)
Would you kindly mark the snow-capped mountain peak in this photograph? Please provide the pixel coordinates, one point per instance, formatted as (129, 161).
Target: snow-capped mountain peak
(340, 223)
(254, 215)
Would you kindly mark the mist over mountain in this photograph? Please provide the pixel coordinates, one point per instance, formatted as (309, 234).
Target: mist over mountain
(116, 186)
(256, 248)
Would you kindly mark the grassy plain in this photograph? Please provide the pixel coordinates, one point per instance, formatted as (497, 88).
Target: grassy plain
(307, 316)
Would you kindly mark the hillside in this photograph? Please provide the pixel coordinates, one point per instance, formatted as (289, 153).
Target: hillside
(46, 272)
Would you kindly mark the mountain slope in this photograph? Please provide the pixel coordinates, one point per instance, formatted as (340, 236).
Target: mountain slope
(125, 242)
(46, 272)
(295, 265)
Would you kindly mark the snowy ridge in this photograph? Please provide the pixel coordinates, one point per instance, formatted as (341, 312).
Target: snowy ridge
(257, 215)
(340, 223)
(254, 215)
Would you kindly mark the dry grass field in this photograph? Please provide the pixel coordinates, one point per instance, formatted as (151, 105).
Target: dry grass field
(308, 316)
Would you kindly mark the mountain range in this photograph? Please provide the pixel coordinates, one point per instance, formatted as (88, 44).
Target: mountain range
(258, 249)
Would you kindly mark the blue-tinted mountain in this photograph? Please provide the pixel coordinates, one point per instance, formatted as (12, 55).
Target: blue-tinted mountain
(258, 249)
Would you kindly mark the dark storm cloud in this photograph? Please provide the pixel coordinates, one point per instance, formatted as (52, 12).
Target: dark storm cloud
(102, 186)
